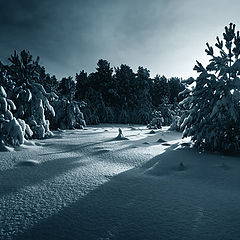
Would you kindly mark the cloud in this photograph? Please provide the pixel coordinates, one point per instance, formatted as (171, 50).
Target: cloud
(167, 36)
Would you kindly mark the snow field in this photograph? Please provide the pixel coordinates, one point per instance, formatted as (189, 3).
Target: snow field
(88, 186)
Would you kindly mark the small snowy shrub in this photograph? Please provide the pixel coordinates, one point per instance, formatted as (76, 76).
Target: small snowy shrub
(175, 125)
(68, 114)
(178, 115)
(213, 119)
(157, 120)
(167, 113)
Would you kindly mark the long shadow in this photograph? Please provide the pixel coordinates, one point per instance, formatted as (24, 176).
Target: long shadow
(138, 208)
(65, 148)
(12, 180)
(91, 217)
(140, 144)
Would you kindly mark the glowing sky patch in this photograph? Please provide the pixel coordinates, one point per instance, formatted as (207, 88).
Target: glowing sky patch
(166, 36)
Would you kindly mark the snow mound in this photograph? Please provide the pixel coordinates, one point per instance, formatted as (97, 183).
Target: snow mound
(29, 143)
(61, 130)
(160, 140)
(121, 138)
(4, 148)
(28, 163)
(120, 135)
(152, 132)
(181, 167)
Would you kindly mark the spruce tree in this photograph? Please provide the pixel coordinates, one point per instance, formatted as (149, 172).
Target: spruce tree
(66, 88)
(125, 84)
(175, 87)
(144, 100)
(28, 94)
(82, 85)
(160, 90)
(104, 82)
(213, 120)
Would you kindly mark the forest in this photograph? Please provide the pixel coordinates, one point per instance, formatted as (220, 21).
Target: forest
(33, 102)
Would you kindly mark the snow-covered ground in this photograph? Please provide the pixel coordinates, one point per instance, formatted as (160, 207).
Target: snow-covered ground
(84, 184)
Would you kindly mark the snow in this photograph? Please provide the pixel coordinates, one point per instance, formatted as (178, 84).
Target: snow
(83, 184)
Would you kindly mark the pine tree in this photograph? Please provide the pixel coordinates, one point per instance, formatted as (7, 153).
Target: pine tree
(124, 77)
(104, 82)
(144, 101)
(125, 84)
(82, 85)
(213, 121)
(68, 113)
(66, 88)
(175, 87)
(160, 90)
(28, 94)
(51, 83)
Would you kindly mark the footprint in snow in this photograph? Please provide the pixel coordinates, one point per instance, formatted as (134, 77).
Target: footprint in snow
(181, 167)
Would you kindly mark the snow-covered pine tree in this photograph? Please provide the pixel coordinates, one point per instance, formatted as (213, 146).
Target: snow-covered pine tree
(12, 130)
(167, 112)
(28, 94)
(157, 120)
(68, 113)
(177, 117)
(213, 120)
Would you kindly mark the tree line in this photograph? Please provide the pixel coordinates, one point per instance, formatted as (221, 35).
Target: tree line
(120, 95)
(33, 102)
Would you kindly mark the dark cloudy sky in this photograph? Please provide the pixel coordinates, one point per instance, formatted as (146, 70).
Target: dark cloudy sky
(166, 36)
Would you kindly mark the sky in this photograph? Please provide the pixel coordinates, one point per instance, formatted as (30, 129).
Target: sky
(165, 36)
